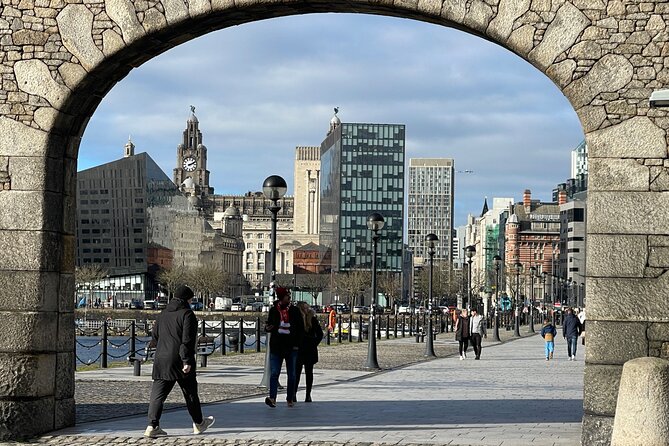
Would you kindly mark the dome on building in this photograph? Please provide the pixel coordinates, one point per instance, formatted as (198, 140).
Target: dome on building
(231, 212)
(193, 118)
(335, 121)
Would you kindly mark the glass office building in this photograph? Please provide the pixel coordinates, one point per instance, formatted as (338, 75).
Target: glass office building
(362, 168)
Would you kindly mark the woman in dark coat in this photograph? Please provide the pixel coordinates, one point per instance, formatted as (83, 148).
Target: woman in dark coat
(308, 353)
(462, 333)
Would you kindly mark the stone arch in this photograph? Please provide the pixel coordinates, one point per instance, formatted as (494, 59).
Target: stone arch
(59, 59)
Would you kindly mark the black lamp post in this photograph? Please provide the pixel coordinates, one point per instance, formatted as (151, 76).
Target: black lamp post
(497, 262)
(543, 279)
(469, 252)
(533, 271)
(375, 223)
(429, 346)
(516, 328)
(274, 188)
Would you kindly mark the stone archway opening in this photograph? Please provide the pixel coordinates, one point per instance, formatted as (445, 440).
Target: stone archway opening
(59, 61)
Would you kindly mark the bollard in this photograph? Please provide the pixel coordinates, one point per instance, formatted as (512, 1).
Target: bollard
(203, 360)
(241, 335)
(103, 357)
(327, 339)
(132, 340)
(395, 330)
(223, 338)
(258, 335)
(136, 366)
(404, 322)
(360, 329)
(410, 325)
(350, 328)
(387, 327)
(339, 329)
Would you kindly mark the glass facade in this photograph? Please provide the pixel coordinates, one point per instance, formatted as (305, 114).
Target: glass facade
(362, 167)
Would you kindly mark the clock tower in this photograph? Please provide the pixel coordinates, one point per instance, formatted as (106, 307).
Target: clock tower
(192, 161)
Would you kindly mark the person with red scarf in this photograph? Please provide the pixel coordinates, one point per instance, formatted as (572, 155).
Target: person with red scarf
(285, 324)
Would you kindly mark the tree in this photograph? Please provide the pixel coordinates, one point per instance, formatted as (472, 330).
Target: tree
(353, 283)
(315, 284)
(172, 278)
(209, 280)
(390, 284)
(86, 276)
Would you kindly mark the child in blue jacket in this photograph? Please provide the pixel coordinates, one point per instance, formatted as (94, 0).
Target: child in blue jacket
(548, 332)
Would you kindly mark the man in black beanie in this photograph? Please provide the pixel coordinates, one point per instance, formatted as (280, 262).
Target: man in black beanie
(175, 337)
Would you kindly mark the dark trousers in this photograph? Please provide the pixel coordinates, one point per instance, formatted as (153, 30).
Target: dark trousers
(308, 374)
(463, 345)
(476, 344)
(162, 388)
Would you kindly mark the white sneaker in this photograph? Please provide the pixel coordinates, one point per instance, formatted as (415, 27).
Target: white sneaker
(153, 432)
(206, 424)
(461, 357)
(465, 355)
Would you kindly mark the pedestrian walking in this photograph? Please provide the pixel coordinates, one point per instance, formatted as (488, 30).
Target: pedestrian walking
(477, 328)
(571, 330)
(548, 332)
(175, 336)
(308, 353)
(462, 333)
(284, 322)
(581, 318)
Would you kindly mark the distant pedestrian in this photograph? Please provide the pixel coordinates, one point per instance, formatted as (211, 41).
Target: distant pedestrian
(284, 323)
(308, 353)
(571, 330)
(581, 318)
(548, 332)
(477, 328)
(175, 336)
(462, 333)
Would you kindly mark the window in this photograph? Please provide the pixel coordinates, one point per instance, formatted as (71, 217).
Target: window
(261, 246)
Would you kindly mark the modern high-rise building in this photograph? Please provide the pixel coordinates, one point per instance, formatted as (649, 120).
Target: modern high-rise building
(362, 169)
(579, 160)
(430, 207)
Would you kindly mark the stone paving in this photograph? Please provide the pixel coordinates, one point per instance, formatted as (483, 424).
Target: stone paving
(511, 397)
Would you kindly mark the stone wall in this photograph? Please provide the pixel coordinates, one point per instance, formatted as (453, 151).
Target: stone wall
(58, 59)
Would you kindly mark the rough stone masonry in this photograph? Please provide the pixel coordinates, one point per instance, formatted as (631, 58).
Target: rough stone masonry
(59, 58)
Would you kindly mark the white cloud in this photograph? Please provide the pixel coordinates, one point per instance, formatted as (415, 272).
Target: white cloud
(263, 88)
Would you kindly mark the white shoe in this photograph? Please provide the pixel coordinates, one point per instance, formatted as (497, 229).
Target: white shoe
(206, 424)
(153, 432)
(461, 357)
(465, 355)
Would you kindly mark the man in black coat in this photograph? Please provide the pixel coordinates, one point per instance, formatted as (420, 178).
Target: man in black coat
(571, 330)
(175, 337)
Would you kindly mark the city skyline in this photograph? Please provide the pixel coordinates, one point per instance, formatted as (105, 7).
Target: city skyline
(273, 85)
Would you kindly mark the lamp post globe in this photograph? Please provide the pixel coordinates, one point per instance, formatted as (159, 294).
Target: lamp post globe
(430, 239)
(469, 253)
(497, 262)
(274, 188)
(533, 271)
(375, 223)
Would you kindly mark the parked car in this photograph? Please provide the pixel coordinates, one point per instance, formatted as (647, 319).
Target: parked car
(404, 309)
(137, 304)
(196, 305)
(255, 306)
(237, 307)
(361, 309)
(265, 308)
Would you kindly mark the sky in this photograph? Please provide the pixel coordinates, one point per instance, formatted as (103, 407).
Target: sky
(263, 88)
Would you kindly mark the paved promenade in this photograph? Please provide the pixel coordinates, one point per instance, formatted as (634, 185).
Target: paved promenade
(512, 396)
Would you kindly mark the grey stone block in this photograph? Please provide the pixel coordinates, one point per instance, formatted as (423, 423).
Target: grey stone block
(596, 430)
(28, 332)
(65, 368)
(65, 413)
(658, 331)
(30, 210)
(600, 389)
(30, 250)
(36, 173)
(628, 299)
(643, 404)
(27, 376)
(28, 291)
(637, 137)
(615, 342)
(628, 207)
(616, 255)
(66, 289)
(39, 412)
(66, 332)
(608, 174)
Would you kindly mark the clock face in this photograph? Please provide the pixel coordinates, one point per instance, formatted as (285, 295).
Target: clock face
(189, 164)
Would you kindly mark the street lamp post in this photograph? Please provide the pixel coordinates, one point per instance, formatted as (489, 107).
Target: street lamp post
(469, 252)
(274, 188)
(375, 223)
(533, 270)
(497, 261)
(516, 328)
(543, 279)
(429, 345)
